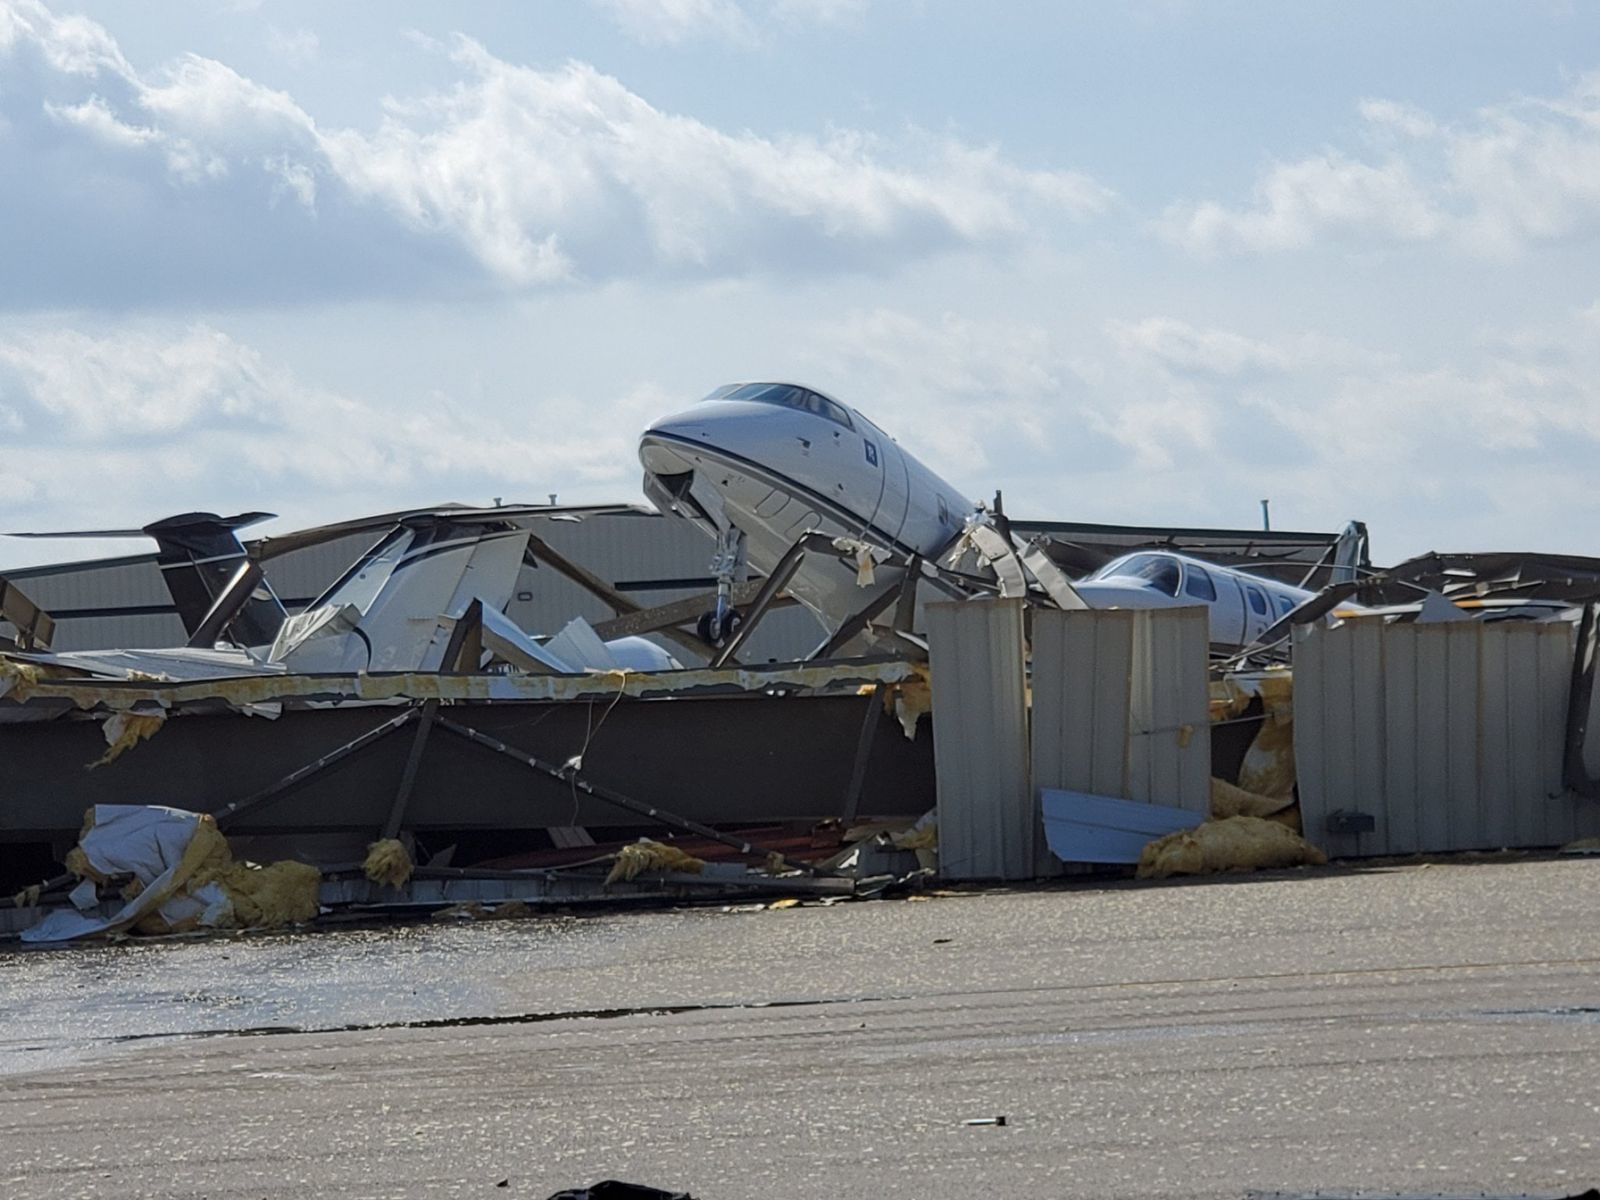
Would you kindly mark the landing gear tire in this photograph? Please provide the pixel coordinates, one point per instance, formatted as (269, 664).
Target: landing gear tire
(717, 635)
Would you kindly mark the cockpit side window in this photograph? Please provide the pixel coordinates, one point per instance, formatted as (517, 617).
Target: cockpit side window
(836, 413)
(1197, 582)
(1258, 602)
(786, 396)
(1161, 571)
(1284, 605)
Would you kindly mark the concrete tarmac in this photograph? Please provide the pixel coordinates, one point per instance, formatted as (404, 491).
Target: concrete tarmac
(1421, 1029)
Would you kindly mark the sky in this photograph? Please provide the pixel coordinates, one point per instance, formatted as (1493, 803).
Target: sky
(1146, 263)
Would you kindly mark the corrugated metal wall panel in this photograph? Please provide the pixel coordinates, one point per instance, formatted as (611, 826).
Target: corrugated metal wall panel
(1449, 735)
(1119, 704)
(1082, 685)
(76, 586)
(988, 818)
(1170, 745)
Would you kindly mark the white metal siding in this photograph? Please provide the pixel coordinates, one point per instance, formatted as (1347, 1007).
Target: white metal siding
(1120, 704)
(988, 819)
(1449, 735)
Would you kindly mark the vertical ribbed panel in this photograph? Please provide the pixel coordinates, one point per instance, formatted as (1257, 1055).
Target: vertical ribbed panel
(1119, 704)
(1449, 735)
(988, 819)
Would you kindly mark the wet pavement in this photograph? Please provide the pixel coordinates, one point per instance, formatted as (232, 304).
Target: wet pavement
(1413, 1029)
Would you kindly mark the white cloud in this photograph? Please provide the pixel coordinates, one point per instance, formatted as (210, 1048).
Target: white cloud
(548, 174)
(297, 47)
(967, 396)
(96, 119)
(745, 23)
(1161, 421)
(536, 176)
(73, 45)
(145, 423)
(204, 99)
(1325, 428)
(1297, 203)
(670, 22)
(70, 387)
(1512, 175)
(1392, 116)
(819, 12)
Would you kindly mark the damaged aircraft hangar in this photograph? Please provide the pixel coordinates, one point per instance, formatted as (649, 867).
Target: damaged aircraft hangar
(514, 696)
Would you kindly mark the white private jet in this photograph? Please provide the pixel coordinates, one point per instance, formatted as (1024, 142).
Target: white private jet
(760, 465)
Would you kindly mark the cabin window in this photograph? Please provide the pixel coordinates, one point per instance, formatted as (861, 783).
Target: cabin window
(1197, 583)
(1258, 602)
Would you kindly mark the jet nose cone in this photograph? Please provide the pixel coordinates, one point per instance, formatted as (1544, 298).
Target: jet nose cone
(661, 446)
(667, 446)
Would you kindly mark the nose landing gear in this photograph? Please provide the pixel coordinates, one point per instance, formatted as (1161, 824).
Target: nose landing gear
(716, 627)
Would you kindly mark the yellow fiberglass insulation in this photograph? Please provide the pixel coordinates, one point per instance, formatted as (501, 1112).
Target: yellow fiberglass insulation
(1268, 768)
(280, 893)
(645, 855)
(1232, 844)
(1230, 801)
(17, 679)
(124, 730)
(388, 863)
(269, 897)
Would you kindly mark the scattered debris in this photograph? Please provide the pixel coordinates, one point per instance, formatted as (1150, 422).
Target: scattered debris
(995, 1121)
(471, 910)
(181, 876)
(1083, 828)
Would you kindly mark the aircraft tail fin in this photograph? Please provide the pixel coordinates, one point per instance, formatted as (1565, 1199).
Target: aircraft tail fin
(1350, 555)
(200, 555)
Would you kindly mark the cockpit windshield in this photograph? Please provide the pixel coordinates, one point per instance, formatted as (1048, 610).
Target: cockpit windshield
(785, 395)
(1158, 569)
